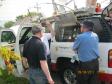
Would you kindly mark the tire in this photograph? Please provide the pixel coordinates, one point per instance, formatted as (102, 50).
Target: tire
(68, 76)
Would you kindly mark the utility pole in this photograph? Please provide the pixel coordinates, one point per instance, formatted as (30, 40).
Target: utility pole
(30, 14)
(75, 7)
(55, 7)
(37, 7)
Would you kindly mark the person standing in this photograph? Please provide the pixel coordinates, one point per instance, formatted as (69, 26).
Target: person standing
(86, 45)
(46, 39)
(34, 51)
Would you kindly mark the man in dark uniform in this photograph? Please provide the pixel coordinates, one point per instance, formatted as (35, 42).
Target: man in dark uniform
(34, 51)
(86, 45)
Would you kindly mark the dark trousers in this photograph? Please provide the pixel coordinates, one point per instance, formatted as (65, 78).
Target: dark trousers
(87, 72)
(36, 76)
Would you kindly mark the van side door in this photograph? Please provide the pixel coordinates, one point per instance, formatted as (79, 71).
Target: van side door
(7, 38)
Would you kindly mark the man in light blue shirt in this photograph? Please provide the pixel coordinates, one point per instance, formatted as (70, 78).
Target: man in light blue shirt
(86, 44)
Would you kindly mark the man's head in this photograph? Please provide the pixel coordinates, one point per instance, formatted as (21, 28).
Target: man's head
(87, 26)
(37, 31)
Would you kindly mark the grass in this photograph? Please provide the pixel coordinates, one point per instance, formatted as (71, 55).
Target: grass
(11, 79)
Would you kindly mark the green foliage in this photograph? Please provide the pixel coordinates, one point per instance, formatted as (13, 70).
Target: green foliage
(19, 17)
(9, 24)
(5, 78)
(30, 14)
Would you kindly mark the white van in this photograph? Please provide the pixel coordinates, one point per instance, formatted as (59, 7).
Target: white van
(62, 55)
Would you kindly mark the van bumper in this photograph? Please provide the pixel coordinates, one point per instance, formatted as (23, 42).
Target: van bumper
(105, 77)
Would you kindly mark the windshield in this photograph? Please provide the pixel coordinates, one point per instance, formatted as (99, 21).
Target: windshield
(66, 34)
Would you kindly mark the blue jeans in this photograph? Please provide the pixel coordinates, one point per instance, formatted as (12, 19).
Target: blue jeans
(36, 76)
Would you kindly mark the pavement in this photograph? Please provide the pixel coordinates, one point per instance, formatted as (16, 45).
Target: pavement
(56, 78)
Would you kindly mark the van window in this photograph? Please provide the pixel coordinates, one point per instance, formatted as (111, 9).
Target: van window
(66, 34)
(102, 29)
(25, 35)
(8, 36)
(25, 32)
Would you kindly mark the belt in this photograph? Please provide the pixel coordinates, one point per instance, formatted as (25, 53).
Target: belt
(32, 67)
(93, 60)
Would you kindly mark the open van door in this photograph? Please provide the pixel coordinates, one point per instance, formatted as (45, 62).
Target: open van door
(107, 15)
(7, 38)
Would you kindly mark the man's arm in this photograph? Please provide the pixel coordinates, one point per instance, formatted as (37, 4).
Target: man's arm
(45, 69)
(76, 43)
(49, 26)
(43, 62)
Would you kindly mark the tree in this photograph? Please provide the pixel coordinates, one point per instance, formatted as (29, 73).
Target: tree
(20, 17)
(9, 24)
(29, 14)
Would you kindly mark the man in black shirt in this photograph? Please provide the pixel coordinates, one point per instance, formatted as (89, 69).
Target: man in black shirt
(34, 51)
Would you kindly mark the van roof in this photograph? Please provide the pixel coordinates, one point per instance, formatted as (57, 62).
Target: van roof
(17, 27)
(4, 29)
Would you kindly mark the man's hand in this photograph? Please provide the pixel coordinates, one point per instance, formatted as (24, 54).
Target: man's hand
(50, 81)
(45, 69)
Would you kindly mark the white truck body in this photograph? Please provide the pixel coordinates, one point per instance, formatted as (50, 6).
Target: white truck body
(62, 49)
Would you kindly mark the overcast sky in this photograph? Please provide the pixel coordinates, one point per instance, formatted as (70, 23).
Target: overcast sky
(13, 8)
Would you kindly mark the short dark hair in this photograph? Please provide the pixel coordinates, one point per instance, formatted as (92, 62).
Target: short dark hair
(88, 24)
(36, 29)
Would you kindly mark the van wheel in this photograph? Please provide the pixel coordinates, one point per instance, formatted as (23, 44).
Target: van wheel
(68, 76)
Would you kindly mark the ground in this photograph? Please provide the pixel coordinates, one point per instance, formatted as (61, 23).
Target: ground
(6, 79)
(56, 78)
